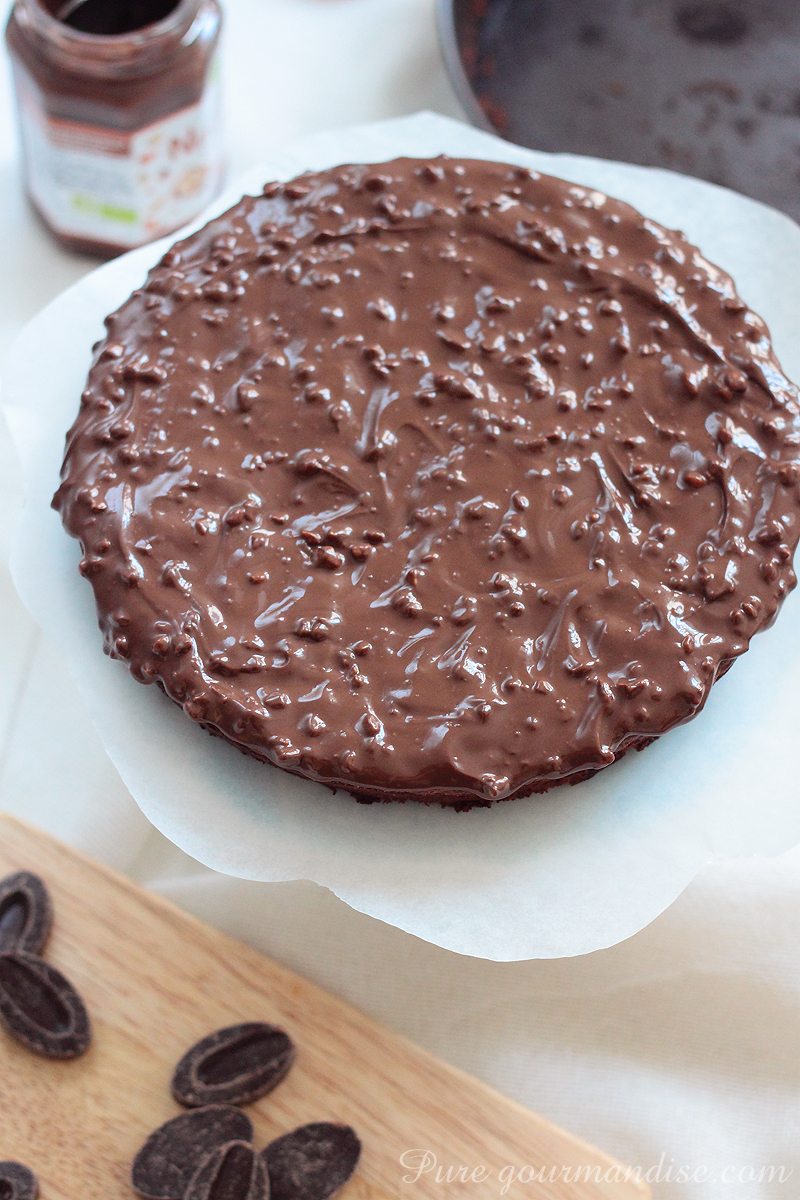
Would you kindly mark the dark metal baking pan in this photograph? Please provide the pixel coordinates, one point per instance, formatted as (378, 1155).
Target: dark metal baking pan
(707, 87)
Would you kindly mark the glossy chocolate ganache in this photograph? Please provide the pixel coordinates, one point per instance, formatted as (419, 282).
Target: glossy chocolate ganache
(435, 480)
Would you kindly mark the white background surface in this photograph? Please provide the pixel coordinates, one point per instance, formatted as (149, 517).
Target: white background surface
(683, 1041)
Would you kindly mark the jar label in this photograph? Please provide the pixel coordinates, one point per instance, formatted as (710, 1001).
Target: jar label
(116, 187)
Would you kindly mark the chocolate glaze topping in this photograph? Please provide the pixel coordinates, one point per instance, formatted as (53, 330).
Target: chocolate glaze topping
(435, 480)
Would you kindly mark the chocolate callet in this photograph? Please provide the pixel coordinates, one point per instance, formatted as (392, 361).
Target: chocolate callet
(435, 480)
(312, 1162)
(234, 1065)
(17, 1182)
(232, 1172)
(164, 1166)
(26, 913)
(40, 1007)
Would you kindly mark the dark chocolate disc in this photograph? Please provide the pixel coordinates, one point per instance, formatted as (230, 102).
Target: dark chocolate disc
(17, 1182)
(232, 1172)
(234, 1065)
(169, 1158)
(312, 1162)
(26, 913)
(41, 1008)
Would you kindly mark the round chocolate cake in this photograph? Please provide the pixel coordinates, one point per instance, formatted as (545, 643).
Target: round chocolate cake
(435, 480)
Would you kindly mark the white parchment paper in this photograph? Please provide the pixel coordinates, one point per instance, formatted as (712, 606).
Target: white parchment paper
(546, 877)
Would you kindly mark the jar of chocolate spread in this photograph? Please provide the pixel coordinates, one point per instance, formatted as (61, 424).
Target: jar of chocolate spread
(119, 115)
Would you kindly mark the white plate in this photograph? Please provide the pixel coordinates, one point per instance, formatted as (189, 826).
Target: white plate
(578, 870)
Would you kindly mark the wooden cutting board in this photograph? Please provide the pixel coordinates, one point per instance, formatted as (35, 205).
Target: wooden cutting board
(155, 980)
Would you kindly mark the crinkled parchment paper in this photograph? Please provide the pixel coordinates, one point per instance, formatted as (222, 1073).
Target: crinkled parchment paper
(562, 875)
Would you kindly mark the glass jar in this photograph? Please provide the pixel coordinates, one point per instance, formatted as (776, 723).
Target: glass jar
(119, 115)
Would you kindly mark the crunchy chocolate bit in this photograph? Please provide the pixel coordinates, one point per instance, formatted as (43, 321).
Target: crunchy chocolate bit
(312, 1162)
(40, 1007)
(17, 1182)
(233, 1065)
(164, 1166)
(232, 1172)
(26, 913)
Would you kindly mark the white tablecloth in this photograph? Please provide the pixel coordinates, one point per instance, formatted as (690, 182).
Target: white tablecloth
(678, 1050)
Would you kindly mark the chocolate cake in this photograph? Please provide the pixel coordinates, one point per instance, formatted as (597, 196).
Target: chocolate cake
(435, 480)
